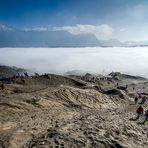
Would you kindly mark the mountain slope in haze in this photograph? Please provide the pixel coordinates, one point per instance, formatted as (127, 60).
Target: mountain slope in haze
(13, 37)
(7, 71)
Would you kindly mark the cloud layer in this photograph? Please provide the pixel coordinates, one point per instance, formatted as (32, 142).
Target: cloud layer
(61, 60)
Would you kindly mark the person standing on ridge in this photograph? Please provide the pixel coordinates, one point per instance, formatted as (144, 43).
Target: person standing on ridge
(139, 111)
(2, 86)
(136, 100)
(146, 116)
(143, 100)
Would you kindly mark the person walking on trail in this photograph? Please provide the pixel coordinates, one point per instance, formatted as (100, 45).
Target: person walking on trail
(136, 99)
(143, 100)
(2, 86)
(139, 111)
(146, 116)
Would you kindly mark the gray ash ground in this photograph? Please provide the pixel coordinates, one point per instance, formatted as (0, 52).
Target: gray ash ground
(52, 111)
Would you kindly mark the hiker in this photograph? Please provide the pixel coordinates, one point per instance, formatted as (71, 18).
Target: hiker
(2, 86)
(26, 74)
(136, 99)
(36, 74)
(146, 116)
(18, 75)
(23, 81)
(14, 77)
(126, 86)
(139, 111)
(143, 100)
(94, 79)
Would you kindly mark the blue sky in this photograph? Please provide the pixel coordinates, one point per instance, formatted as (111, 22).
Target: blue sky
(123, 19)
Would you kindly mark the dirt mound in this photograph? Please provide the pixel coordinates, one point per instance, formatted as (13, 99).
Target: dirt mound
(56, 80)
(120, 93)
(32, 84)
(73, 97)
(125, 76)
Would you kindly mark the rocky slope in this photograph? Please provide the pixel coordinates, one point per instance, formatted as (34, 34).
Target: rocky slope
(67, 112)
(7, 71)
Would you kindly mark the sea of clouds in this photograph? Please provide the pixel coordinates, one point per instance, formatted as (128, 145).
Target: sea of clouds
(131, 60)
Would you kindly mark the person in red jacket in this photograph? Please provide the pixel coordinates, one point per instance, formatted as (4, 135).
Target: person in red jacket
(139, 111)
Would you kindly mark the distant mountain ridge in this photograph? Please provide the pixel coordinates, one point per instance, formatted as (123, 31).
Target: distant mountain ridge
(13, 37)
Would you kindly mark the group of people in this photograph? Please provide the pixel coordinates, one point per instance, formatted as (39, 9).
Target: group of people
(140, 110)
(12, 80)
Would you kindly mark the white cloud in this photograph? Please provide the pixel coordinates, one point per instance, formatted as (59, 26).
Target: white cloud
(101, 31)
(91, 59)
(41, 28)
(36, 29)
